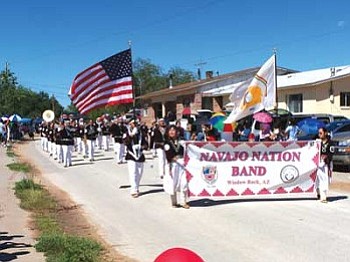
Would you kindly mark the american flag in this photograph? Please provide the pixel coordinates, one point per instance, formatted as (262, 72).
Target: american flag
(106, 83)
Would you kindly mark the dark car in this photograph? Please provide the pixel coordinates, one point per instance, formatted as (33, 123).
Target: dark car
(341, 137)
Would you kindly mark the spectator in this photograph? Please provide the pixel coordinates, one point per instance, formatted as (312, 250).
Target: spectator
(292, 131)
(265, 132)
(244, 133)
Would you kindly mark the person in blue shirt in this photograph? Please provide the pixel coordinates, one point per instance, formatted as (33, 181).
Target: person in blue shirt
(292, 131)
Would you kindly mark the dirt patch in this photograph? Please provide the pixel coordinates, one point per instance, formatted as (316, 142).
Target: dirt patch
(340, 186)
(70, 216)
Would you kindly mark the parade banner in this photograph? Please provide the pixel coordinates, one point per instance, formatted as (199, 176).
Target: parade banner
(260, 169)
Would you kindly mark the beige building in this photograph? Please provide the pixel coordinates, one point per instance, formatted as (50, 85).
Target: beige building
(317, 91)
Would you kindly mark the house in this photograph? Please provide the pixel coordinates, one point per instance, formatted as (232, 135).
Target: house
(195, 95)
(316, 91)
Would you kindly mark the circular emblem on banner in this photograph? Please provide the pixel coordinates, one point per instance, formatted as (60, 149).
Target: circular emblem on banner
(289, 174)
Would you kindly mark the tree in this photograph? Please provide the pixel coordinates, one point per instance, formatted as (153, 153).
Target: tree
(147, 77)
(180, 76)
(18, 99)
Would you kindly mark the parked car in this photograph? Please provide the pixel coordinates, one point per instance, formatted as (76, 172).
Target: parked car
(341, 137)
(325, 118)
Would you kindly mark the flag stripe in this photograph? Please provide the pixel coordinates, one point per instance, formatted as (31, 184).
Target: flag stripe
(100, 87)
(261, 79)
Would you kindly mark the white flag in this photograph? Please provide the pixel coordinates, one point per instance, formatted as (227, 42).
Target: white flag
(255, 94)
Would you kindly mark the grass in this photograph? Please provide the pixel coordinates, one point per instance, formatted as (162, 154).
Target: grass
(19, 167)
(10, 153)
(61, 247)
(57, 246)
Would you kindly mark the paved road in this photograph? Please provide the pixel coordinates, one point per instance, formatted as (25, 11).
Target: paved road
(16, 242)
(294, 230)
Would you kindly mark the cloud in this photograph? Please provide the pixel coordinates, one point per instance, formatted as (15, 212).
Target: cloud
(341, 23)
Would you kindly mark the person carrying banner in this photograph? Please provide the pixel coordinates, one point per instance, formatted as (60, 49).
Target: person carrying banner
(324, 171)
(135, 144)
(175, 176)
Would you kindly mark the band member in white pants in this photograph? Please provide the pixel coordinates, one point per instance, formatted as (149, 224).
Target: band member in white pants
(158, 140)
(118, 129)
(91, 134)
(67, 141)
(134, 143)
(98, 139)
(105, 135)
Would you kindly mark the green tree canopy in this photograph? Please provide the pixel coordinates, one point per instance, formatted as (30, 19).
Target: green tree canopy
(18, 99)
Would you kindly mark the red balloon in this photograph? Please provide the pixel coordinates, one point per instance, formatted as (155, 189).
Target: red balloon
(178, 255)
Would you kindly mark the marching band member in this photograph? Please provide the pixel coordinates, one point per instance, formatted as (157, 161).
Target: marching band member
(58, 139)
(158, 139)
(80, 138)
(74, 128)
(43, 135)
(151, 135)
(105, 134)
(134, 143)
(324, 171)
(99, 132)
(67, 141)
(91, 134)
(175, 178)
(51, 138)
(118, 129)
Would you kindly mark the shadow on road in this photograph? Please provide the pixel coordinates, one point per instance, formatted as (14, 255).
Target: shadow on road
(9, 256)
(209, 202)
(152, 191)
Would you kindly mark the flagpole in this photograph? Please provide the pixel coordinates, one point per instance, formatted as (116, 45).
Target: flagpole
(276, 96)
(132, 84)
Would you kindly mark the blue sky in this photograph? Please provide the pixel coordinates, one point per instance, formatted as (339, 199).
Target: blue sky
(48, 42)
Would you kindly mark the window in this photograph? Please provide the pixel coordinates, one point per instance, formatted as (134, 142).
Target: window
(345, 99)
(295, 103)
(207, 103)
(345, 128)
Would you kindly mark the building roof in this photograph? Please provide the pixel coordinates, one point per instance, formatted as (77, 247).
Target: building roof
(191, 87)
(291, 80)
(312, 77)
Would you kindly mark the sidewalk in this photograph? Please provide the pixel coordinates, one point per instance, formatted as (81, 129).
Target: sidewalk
(16, 242)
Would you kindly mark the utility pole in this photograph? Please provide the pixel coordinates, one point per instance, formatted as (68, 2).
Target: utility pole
(199, 68)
